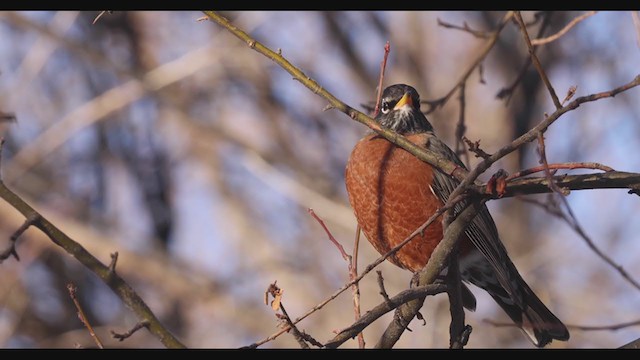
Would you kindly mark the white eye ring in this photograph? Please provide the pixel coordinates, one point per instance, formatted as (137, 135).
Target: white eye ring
(385, 107)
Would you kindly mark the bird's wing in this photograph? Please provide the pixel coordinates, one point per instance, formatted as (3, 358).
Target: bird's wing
(482, 231)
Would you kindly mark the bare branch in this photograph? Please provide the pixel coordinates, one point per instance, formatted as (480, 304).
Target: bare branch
(383, 292)
(536, 62)
(139, 325)
(335, 242)
(465, 27)
(567, 166)
(564, 30)
(506, 92)
(434, 104)
(612, 327)
(383, 66)
(383, 308)
(126, 293)
(636, 23)
(461, 128)
(72, 293)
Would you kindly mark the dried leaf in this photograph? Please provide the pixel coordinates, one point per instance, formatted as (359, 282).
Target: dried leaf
(277, 297)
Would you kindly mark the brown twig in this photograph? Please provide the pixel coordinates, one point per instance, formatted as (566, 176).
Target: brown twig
(100, 15)
(612, 327)
(297, 334)
(352, 263)
(335, 242)
(636, 23)
(474, 147)
(434, 104)
(506, 92)
(383, 65)
(13, 239)
(539, 185)
(567, 166)
(547, 172)
(465, 27)
(383, 308)
(121, 288)
(564, 30)
(383, 292)
(570, 92)
(353, 274)
(72, 293)
(536, 62)
(144, 324)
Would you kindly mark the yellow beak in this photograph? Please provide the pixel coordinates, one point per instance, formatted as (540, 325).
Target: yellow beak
(406, 99)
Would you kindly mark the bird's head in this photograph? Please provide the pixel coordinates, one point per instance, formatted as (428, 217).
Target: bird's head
(400, 110)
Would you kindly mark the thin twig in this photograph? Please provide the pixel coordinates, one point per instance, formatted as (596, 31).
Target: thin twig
(144, 324)
(434, 104)
(465, 27)
(383, 292)
(543, 160)
(383, 308)
(536, 62)
(335, 242)
(506, 92)
(612, 327)
(636, 23)
(474, 147)
(461, 128)
(297, 334)
(13, 239)
(383, 65)
(353, 274)
(564, 30)
(352, 263)
(100, 15)
(72, 293)
(570, 92)
(567, 166)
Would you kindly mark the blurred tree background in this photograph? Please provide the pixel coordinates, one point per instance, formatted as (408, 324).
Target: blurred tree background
(170, 141)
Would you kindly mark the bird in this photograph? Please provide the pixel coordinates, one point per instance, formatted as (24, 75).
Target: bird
(392, 193)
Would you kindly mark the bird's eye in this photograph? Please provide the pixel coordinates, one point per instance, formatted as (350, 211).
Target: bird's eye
(385, 107)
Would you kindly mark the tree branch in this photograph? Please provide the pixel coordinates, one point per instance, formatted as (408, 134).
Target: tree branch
(536, 62)
(540, 185)
(559, 34)
(383, 308)
(124, 291)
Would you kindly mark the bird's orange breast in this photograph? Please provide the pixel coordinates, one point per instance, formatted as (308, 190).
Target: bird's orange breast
(390, 192)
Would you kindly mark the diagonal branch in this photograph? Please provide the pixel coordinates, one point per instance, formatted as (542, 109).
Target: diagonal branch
(536, 62)
(121, 288)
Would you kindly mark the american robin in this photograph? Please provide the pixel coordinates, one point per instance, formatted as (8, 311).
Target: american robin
(392, 193)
